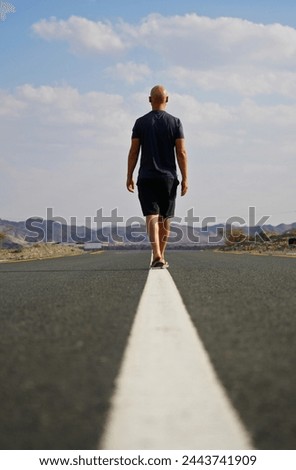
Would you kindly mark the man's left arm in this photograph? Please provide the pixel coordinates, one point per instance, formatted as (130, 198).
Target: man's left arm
(182, 163)
(131, 164)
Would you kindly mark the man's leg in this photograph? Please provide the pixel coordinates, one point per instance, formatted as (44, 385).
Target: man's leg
(164, 233)
(153, 229)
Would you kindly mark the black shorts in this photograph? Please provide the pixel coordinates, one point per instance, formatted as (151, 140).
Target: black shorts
(158, 196)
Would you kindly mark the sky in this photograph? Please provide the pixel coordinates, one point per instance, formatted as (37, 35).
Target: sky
(75, 75)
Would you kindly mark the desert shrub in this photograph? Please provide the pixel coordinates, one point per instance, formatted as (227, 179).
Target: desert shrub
(2, 238)
(235, 236)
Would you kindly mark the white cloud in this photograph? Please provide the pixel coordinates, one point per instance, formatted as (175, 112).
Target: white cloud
(82, 34)
(64, 149)
(223, 54)
(130, 72)
(66, 106)
(206, 41)
(10, 106)
(68, 150)
(239, 156)
(245, 80)
(196, 39)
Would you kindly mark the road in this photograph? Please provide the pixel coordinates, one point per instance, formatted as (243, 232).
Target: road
(65, 324)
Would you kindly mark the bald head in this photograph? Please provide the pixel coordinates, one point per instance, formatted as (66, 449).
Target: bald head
(158, 97)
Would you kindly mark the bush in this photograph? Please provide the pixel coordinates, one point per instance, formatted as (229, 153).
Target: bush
(2, 238)
(234, 237)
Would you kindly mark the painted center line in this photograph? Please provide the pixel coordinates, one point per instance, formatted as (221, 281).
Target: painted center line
(167, 393)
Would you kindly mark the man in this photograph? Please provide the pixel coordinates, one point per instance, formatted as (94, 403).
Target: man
(160, 138)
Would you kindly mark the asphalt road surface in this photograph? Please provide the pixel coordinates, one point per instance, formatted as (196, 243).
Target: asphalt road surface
(65, 324)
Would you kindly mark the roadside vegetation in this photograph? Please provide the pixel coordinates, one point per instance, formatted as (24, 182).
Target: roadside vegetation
(261, 241)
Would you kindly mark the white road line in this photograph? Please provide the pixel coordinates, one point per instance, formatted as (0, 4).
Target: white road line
(167, 394)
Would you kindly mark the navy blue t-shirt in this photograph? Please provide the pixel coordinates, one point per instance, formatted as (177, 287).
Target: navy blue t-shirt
(158, 131)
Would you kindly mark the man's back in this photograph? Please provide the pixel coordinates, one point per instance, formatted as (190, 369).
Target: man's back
(157, 132)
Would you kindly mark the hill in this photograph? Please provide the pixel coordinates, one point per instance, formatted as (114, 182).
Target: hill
(14, 235)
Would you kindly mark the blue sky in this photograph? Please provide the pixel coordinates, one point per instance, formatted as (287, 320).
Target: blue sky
(76, 74)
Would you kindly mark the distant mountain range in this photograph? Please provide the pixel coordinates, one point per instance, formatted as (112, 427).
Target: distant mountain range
(15, 234)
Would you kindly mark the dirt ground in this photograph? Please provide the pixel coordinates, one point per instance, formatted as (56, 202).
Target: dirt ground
(39, 251)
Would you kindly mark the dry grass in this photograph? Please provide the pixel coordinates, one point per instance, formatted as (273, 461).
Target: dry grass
(39, 251)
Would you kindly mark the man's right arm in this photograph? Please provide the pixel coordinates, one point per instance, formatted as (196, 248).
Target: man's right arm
(182, 163)
(131, 164)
